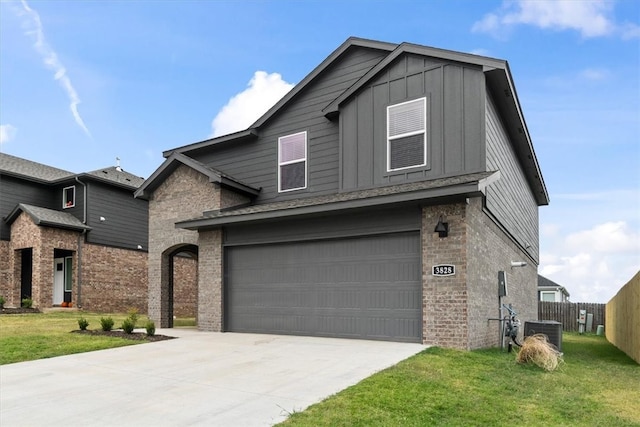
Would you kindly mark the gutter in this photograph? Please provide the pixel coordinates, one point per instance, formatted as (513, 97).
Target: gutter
(80, 241)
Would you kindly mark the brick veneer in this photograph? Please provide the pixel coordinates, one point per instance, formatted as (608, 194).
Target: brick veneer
(457, 309)
(6, 273)
(185, 194)
(185, 287)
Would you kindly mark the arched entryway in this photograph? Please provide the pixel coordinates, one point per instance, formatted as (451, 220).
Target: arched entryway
(180, 293)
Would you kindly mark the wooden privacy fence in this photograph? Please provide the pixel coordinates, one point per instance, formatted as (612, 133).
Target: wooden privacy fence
(567, 313)
(623, 319)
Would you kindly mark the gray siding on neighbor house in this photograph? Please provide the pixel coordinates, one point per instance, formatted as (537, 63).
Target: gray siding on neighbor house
(510, 199)
(14, 191)
(256, 163)
(126, 219)
(455, 122)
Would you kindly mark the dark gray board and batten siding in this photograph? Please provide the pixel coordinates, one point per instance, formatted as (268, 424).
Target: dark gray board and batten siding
(455, 122)
(510, 199)
(255, 162)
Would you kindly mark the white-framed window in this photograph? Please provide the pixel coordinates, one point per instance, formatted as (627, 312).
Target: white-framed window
(407, 135)
(292, 162)
(547, 296)
(68, 197)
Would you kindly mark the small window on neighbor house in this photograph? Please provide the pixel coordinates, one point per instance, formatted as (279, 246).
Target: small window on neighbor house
(69, 197)
(548, 296)
(407, 135)
(292, 162)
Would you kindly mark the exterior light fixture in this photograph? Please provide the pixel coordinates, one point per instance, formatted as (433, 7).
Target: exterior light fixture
(139, 246)
(102, 219)
(518, 264)
(442, 228)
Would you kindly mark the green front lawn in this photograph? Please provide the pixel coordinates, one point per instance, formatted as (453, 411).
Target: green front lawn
(598, 385)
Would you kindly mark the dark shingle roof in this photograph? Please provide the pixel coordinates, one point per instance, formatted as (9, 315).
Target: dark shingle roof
(26, 168)
(117, 175)
(48, 217)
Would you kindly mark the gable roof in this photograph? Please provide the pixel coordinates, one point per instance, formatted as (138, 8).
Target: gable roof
(498, 79)
(47, 217)
(544, 283)
(16, 166)
(115, 175)
(176, 159)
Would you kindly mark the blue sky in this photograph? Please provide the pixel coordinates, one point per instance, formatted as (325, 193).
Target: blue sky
(84, 82)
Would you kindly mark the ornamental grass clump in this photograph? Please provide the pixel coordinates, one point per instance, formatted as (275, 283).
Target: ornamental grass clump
(538, 350)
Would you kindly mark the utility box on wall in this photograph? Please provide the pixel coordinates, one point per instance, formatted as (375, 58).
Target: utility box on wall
(551, 328)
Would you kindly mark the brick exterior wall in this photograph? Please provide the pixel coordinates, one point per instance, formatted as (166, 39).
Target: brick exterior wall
(185, 287)
(457, 309)
(210, 286)
(114, 280)
(185, 194)
(6, 274)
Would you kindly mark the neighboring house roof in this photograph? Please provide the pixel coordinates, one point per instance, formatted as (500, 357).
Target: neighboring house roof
(175, 160)
(498, 78)
(24, 168)
(47, 217)
(33, 171)
(545, 284)
(470, 184)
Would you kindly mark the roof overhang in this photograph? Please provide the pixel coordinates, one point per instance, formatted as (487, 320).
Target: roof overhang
(174, 160)
(428, 192)
(47, 218)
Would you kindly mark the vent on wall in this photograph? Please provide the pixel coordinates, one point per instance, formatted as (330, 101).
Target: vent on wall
(551, 328)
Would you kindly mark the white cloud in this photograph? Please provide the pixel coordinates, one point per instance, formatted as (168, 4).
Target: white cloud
(7, 132)
(50, 59)
(263, 91)
(610, 237)
(591, 18)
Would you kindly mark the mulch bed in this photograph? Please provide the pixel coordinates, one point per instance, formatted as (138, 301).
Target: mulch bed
(136, 336)
(18, 310)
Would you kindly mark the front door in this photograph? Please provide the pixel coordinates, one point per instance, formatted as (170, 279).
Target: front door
(58, 281)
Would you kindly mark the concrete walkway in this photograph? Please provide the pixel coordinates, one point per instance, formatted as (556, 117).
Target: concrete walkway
(202, 378)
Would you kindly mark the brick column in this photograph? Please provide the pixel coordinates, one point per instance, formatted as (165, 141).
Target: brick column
(210, 274)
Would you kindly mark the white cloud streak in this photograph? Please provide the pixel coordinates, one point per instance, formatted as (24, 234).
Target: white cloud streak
(7, 133)
(51, 61)
(263, 91)
(591, 18)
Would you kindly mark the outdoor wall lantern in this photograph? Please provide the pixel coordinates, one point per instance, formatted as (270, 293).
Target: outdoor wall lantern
(442, 228)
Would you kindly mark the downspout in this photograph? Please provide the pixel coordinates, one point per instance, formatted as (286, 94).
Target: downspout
(80, 241)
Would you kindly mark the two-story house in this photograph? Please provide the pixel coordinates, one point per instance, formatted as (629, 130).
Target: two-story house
(378, 199)
(67, 238)
(548, 290)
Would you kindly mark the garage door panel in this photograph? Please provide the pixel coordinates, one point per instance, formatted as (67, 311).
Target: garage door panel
(366, 287)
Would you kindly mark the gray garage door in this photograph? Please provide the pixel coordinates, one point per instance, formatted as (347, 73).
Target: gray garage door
(364, 287)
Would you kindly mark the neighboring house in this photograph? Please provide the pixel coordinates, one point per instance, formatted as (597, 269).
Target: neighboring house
(548, 290)
(320, 218)
(74, 238)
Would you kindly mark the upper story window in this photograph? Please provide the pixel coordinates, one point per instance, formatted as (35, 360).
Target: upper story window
(407, 135)
(292, 162)
(68, 197)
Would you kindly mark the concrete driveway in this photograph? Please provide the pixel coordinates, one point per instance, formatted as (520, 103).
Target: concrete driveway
(202, 378)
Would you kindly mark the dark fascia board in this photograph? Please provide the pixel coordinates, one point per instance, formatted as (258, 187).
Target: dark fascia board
(236, 136)
(172, 162)
(500, 84)
(487, 63)
(351, 41)
(13, 215)
(463, 190)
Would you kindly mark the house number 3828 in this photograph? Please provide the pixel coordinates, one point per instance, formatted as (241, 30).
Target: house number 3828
(444, 270)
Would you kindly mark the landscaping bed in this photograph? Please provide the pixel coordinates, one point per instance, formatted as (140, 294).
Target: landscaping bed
(138, 336)
(18, 310)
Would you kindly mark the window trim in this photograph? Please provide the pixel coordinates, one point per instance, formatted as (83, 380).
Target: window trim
(542, 293)
(290, 162)
(408, 134)
(64, 197)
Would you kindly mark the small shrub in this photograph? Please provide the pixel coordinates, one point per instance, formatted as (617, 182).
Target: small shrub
(2, 301)
(128, 325)
(83, 323)
(27, 302)
(151, 328)
(538, 350)
(133, 316)
(106, 323)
